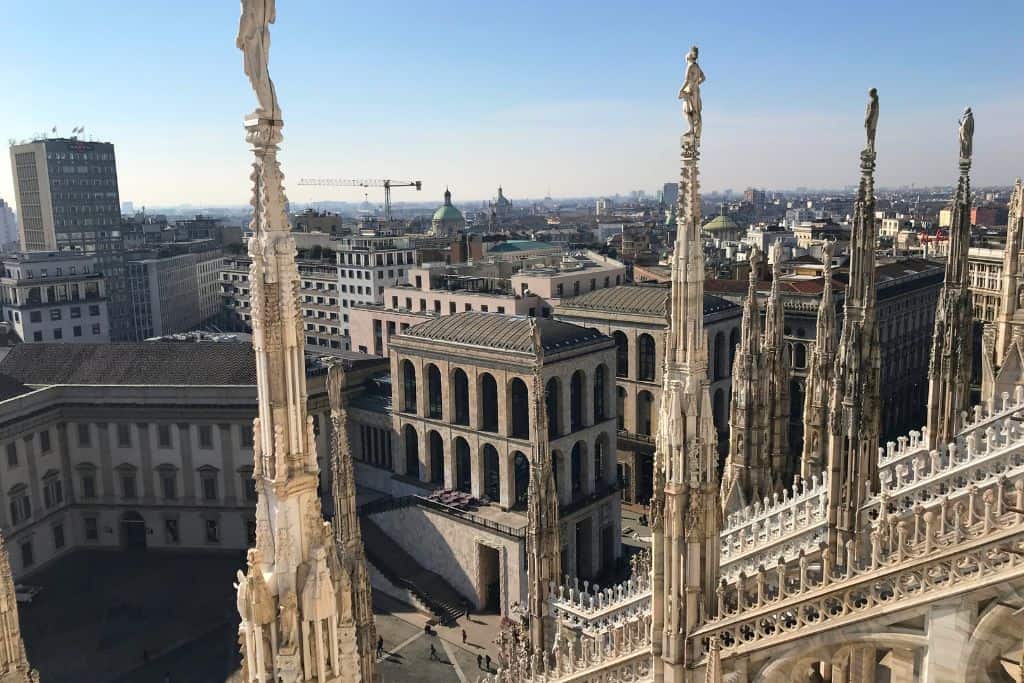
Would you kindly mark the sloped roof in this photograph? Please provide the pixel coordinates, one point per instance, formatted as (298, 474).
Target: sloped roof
(520, 245)
(503, 332)
(152, 363)
(651, 299)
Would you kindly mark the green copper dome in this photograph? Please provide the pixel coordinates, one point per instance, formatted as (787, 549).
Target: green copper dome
(447, 213)
(721, 223)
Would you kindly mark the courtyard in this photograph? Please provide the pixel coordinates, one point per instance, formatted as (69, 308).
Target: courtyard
(152, 617)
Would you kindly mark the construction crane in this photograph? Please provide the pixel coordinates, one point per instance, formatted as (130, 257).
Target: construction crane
(364, 182)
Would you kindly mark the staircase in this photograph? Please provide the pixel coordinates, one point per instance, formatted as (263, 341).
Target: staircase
(402, 570)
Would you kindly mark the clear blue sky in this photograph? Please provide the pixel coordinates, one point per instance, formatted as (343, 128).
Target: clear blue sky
(575, 97)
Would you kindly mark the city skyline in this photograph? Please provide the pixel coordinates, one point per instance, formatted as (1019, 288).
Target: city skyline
(492, 97)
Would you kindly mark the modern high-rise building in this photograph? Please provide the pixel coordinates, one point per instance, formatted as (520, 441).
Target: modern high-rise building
(173, 289)
(66, 192)
(8, 224)
(67, 198)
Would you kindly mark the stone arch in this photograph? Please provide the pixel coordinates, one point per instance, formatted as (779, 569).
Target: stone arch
(521, 472)
(577, 385)
(519, 409)
(621, 354)
(620, 407)
(460, 396)
(436, 448)
(600, 459)
(799, 355)
(718, 411)
(645, 413)
(553, 403)
(408, 387)
(997, 632)
(720, 356)
(492, 473)
(488, 409)
(463, 465)
(648, 357)
(435, 407)
(734, 341)
(412, 451)
(578, 469)
(600, 392)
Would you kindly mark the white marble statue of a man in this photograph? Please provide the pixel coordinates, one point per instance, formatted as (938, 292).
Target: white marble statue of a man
(966, 134)
(690, 94)
(254, 42)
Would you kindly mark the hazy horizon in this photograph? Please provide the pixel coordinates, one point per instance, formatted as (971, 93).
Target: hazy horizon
(572, 100)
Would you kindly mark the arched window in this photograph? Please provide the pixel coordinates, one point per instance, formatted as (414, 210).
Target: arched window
(461, 396)
(718, 412)
(519, 402)
(576, 401)
(436, 458)
(492, 476)
(647, 357)
(576, 469)
(599, 449)
(551, 396)
(644, 400)
(463, 467)
(599, 393)
(620, 407)
(734, 341)
(488, 403)
(720, 356)
(434, 406)
(408, 387)
(621, 354)
(521, 468)
(412, 452)
(556, 470)
(799, 355)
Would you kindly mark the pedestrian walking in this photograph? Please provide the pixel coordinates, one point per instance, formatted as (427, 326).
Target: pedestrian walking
(380, 646)
(433, 653)
(463, 636)
(487, 661)
(479, 661)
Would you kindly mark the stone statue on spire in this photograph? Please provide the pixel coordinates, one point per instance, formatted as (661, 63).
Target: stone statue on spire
(871, 118)
(966, 134)
(690, 94)
(254, 42)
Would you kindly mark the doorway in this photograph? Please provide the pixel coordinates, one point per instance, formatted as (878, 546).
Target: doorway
(133, 531)
(489, 585)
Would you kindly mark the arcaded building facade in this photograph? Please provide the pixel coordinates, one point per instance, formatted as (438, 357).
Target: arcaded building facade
(461, 392)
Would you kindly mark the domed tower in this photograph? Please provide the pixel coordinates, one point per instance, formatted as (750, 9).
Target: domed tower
(447, 220)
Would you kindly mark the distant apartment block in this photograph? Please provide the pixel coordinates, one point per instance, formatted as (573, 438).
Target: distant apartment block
(54, 297)
(173, 290)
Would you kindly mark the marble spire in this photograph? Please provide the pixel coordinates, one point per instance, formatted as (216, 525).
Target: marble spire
(684, 508)
(819, 374)
(358, 625)
(1002, 362)
(543, 537)
(294, 599)
(745, 475)
(854, 417)
(14, 666)
(776, 383)
(949, 369)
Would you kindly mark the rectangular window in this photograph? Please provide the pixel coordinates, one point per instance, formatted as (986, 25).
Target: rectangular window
(209, 487)
(35, 316)
(94, 310)
(96, 328)
(12, 454)
(27, 559)
(76, 311)
(88, 485)
(53, 492)
(55, 314)
(21, 508)
(128, 485)
(58, 536)
(44, 441)
(58, 333)
(37, 336)
(92, 529)
(84, 434)
(124, 436)
(169, 485)
(246, 436)
(205, 436)
(171, 530)
(212, 531)
(249, 487)
(163, 436)
(76, 331)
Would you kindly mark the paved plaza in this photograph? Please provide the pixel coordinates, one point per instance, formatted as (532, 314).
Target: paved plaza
(150, 617)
